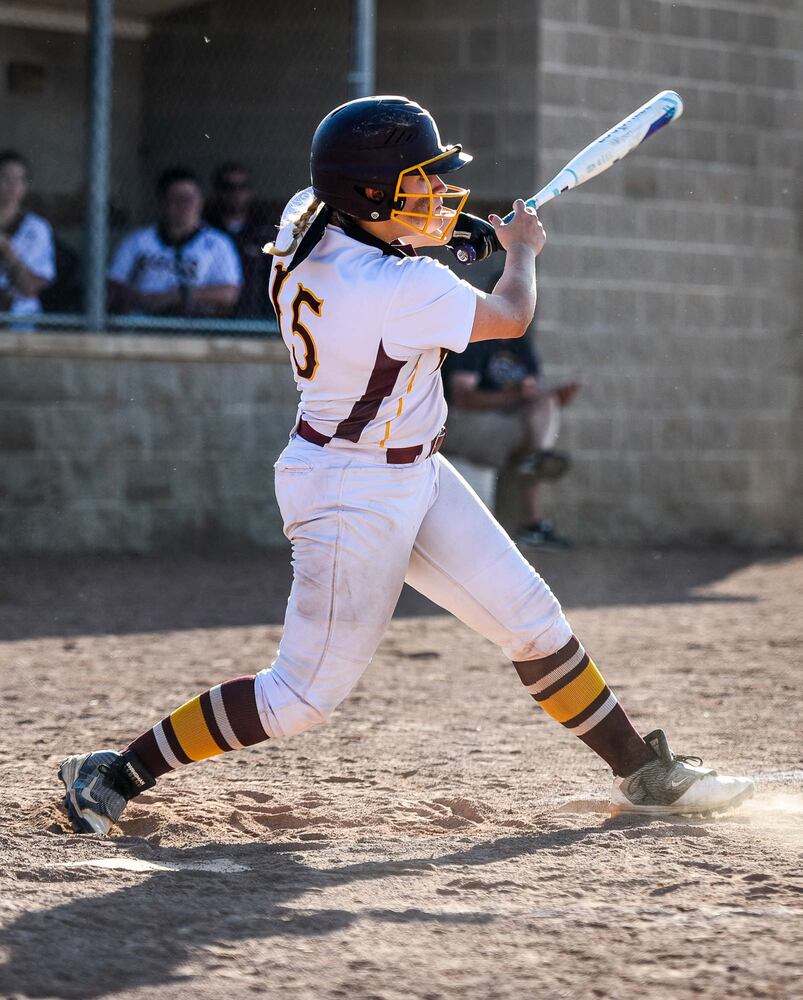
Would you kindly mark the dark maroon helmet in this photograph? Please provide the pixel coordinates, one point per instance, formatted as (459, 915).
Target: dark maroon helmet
(371, 143)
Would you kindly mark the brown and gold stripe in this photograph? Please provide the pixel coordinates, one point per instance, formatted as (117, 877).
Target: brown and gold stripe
(568, 686)
(221, 719)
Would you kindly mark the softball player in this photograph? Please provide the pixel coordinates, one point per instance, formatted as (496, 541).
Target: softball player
(366, 499)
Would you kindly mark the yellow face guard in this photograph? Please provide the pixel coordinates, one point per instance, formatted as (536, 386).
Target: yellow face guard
(436, 225)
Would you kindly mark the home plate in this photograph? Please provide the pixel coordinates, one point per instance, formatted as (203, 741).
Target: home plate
(221, 866)
(778, 776)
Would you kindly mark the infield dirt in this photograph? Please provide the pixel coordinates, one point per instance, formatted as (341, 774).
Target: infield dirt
(439, 838)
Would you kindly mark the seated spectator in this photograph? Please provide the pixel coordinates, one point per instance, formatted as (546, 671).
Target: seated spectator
(233, 209)
(180, 266)
(27, 254)
(503, 414)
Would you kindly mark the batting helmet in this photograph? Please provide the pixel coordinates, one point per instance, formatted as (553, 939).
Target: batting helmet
(376, 142)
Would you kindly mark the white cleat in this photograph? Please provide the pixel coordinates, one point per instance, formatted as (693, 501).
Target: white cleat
(674, 783)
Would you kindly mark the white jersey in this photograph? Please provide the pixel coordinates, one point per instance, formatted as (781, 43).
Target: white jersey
(32, 242)
(367, 332)
(149, 264)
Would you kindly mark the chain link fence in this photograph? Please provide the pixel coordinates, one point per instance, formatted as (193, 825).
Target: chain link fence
(147, 169)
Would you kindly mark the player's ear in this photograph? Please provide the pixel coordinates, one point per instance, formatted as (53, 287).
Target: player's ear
(374, 195)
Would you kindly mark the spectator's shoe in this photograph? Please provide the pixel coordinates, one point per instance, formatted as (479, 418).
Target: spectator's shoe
(544, 464)
(99, 785)
(673, 783)
(542, 535)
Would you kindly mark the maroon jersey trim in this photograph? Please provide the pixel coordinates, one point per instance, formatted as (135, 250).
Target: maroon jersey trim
(380, 385)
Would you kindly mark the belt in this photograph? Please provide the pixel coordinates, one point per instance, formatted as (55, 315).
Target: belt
(394, 456)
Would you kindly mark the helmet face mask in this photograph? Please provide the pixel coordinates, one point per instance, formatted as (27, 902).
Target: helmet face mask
(374, 144)
(435, 224)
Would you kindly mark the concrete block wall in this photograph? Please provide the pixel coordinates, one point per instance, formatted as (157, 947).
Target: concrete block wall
(474, 65)
(671, 284)
(138, 443)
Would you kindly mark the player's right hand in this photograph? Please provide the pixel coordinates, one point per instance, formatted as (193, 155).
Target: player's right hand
(525, 227)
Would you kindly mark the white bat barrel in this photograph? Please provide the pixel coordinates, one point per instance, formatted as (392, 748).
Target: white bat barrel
(611, 146)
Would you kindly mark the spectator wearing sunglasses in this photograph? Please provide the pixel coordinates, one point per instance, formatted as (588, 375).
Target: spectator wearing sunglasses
(233, 209)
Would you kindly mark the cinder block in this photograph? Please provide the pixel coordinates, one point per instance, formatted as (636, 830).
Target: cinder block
(482, 131)
(563, 89)
(150, 480)
(16, 530)
(759, 29)
(583, 49)
(223, 433)
(625, 53)
(709, 64)
(83, 480)
(640, 180)
(699, 310)
(26, 481)
(722, 25)
(73, 427)
(714, 433)
(666, 57)
(742, 67)
(33, 380)
(520, 47)
(477, 87)
(646, 16)
(132, 428)
(95, 379)
(17, 430)
(605, 15)
(561, 10)
(684, 20)
(595, 432)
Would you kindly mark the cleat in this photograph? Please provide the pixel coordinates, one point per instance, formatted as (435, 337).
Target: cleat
(99, 785)
(674, 783)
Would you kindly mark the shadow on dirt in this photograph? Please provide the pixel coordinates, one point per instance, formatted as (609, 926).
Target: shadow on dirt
(117, 941)
(118, 593)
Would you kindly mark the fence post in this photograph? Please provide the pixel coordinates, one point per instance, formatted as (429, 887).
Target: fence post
(98, 155)
(362, 76)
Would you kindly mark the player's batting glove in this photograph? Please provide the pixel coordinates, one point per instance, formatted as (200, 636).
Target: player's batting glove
(473, 239)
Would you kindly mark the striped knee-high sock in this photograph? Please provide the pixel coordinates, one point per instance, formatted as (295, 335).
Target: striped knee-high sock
(570, 688)
(223, 718)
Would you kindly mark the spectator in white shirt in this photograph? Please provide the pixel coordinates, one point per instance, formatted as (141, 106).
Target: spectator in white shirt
(180, 266)
(27, 253)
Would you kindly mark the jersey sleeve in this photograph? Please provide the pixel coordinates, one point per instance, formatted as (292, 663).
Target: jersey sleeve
(225, 267)
(430, 308)
(122, 265)
(40, 256)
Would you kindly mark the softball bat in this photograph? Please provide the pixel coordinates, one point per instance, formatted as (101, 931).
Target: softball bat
(610, 147)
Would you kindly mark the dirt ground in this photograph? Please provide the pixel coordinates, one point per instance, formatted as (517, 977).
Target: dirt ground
(440, 838)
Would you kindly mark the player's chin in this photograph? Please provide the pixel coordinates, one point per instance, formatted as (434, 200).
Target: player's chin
(438, 232)
(424, 240)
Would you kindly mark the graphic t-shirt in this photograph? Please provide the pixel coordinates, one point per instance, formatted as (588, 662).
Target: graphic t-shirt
(498, 363)
(148, 263)
(32, 240)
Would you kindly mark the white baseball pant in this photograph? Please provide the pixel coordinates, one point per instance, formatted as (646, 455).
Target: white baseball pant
(359, 528)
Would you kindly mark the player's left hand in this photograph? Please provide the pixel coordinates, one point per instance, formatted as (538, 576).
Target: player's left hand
(473, 239)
